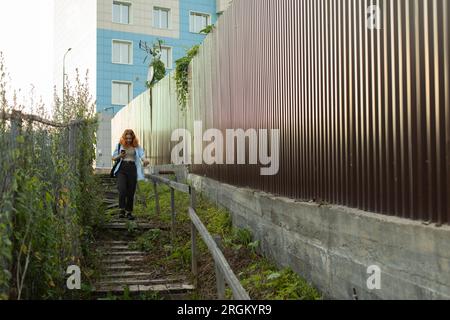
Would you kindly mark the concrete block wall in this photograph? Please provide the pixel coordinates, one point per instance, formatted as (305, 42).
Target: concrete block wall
(333, 246)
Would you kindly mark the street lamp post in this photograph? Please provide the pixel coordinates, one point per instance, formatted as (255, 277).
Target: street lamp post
(64, 73)
(109, 108)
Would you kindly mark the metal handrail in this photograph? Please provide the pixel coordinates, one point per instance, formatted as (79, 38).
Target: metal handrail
(224, 273)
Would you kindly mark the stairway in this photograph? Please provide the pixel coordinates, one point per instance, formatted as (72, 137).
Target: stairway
(124, 269)
(110, 192)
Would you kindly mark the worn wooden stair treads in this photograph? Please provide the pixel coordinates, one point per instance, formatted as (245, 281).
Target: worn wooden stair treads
(124, 268)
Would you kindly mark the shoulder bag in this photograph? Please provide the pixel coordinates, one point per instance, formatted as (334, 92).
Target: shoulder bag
(116, 163)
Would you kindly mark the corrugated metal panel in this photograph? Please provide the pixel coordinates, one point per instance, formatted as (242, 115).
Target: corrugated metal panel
(167, 116)
(136, 116)
(364, 114)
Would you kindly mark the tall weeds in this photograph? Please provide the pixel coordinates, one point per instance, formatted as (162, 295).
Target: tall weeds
(49, 197)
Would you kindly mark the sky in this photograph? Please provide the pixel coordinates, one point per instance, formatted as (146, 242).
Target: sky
(26, 40)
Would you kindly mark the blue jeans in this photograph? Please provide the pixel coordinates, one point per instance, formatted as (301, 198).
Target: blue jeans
(126, 183)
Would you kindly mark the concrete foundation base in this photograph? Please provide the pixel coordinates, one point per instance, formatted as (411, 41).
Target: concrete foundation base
(333, 246)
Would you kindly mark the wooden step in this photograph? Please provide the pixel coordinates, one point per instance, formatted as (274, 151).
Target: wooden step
(108, 178)
(172, 288)
(132, 281)
(122, 260)
(124, 226)
(127, 274)
(108, 186)
(116, 248)
(122, 268)
(109, 200)
(124, 253)
(111, 196)
(114, 242)
(108, 182)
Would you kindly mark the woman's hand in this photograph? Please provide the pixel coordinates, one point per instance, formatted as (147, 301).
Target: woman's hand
(146, 163)
(120, 156)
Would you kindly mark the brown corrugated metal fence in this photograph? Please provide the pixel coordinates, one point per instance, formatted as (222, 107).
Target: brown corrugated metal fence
(364, 114)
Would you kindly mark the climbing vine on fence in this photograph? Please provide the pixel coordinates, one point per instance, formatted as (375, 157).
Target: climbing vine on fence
(208, 29)
(50, 198)
(182, 74)
(159, 70)
(182, 71)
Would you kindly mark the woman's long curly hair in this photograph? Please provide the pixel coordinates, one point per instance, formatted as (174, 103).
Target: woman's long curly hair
(123, 140)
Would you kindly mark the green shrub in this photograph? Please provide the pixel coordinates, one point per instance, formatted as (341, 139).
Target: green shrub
(182, 74)
(182, 253)
(261, 278)
(147, 241)
(51, 201)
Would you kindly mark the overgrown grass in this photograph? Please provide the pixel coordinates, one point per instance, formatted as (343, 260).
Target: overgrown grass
(263, 279)
(260, 277)
(49, 199)
(127, 296)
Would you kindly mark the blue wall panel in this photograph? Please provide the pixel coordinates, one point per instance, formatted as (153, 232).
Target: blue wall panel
(137, 73)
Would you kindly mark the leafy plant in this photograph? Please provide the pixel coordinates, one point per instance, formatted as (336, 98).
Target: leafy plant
(182, 254)
(261, 278)
(182, 71)
(150, 295)
(253, 246)
(159, 69)
(208, 29)
(182, 74)
(131, 226)
(265, 279)
(146, 242)
(242, 236)
(50, 197)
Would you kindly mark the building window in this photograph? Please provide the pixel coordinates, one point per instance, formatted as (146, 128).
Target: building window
(121, 12)
(121, 93)
(166, 57)
(198, 22)
(161, 18)
(122, 52)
